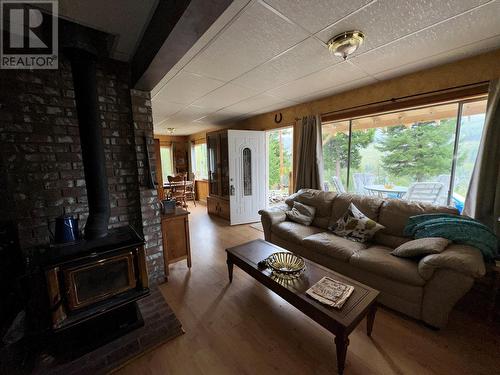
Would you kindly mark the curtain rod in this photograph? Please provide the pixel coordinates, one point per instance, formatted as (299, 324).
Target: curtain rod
(403, 98)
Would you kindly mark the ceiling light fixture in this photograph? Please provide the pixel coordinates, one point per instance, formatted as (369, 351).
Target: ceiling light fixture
(170, 131)
(344, 44)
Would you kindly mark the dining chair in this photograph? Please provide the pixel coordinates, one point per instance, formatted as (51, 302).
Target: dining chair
(178, 189)
(429, 192)
(190, 189)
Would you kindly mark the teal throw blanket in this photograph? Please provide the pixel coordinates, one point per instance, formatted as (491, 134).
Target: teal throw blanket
(459, 229)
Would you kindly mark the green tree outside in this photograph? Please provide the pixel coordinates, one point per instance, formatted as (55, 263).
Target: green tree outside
(420, 151)
(336, 150)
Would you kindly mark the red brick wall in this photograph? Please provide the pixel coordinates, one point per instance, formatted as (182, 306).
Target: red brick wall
(150, 215)
(41, 162)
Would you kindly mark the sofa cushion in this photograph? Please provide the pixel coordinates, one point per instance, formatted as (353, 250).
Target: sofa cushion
(355, 225)
(394, 214)
(334, 246)
(461, 258)
(320, 200)
(370, 206)
(421, 247)
(301, 213)
(378, 260)
(388, 240)
(294, 232)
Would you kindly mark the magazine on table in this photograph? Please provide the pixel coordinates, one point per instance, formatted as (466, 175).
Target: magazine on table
(330, 292)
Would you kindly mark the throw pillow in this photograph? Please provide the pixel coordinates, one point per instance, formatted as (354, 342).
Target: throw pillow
(355, 225)
(421, 247)
(302, 214)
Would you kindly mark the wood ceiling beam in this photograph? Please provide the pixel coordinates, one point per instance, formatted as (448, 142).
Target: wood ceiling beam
(169, 35)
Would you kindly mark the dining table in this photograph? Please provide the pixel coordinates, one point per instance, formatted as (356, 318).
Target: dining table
(384, 190)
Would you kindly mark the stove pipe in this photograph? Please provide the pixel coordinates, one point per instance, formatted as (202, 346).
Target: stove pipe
(83, 66)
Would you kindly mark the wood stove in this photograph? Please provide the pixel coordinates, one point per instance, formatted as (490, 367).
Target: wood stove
(92, 277)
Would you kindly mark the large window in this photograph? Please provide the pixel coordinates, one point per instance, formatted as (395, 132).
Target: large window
(199, 160)
(279, 161)
(167, 167)
(425, 154)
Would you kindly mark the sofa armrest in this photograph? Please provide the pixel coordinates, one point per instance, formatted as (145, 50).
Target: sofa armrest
(460, 258)
(270, 217)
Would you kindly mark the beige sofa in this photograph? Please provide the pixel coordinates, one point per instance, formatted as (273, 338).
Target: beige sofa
(426, 289)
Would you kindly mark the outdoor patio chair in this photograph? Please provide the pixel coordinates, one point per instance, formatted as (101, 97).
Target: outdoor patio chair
(361, 180)
(337, 183)
(445, 180)
(429, 192)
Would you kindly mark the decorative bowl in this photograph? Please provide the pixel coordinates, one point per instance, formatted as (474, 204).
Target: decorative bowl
(286, 265)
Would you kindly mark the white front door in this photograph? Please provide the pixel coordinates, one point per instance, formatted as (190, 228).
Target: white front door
(247, 175)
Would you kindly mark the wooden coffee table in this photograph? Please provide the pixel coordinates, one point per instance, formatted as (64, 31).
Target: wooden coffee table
(340, 322)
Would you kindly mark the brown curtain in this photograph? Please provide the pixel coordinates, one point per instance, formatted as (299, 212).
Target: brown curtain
(309, 154)
(483, 197)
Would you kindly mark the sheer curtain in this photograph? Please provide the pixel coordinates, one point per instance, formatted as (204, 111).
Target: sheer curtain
(309, 155)
(483, 196)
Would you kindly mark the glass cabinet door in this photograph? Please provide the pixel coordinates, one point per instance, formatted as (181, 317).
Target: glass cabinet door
(224, 156)
(213, 174)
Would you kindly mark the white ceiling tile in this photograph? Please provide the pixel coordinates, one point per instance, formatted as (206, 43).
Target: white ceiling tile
(253, 104)
(442, 58)
(256, 36)
(190, 113)
(385, 21)
(273, 107)
(260, 49)
(314, 15)
(218, 117)
(306, 57)
(225, 96)
(167, 77)
(185, 128)
(186, 87)
(482, 23)
(351, 85)
(327, 78)
(163, 109)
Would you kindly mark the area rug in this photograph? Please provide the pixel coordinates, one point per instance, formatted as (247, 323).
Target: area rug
(257, 226)
(160, 326)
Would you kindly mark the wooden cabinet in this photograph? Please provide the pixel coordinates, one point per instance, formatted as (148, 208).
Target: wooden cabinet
(218, 207)
(175, 233)
(218, 174)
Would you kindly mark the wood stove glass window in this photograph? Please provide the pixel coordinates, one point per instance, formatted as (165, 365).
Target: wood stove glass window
(100, 280)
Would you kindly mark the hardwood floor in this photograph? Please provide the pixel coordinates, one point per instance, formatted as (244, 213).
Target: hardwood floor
(243, 328)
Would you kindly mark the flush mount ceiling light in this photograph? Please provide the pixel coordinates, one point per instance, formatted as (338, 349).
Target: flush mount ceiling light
(170, 131)
(344, 44)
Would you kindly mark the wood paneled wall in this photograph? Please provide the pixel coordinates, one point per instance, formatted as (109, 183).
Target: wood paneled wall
(201, 187)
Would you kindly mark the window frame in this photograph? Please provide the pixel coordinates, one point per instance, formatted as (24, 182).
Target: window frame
(168, 146)
(328, 119)
(193, 160)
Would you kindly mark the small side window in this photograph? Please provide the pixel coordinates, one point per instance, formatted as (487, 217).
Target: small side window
(247, 172)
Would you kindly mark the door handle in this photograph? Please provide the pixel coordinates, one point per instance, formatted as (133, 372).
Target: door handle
(231, 190)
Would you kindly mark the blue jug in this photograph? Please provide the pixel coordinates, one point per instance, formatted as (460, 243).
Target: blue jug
(66, 229)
